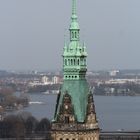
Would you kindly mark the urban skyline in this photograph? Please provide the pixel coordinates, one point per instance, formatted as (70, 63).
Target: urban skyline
(28, 30)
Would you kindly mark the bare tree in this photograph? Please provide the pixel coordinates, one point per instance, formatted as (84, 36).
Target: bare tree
(43, 126)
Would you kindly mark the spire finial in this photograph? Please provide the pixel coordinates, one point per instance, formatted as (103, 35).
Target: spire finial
(73, 7)
(74, 26)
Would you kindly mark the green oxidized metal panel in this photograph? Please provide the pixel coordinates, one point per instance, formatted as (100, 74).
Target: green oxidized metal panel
(78, 90)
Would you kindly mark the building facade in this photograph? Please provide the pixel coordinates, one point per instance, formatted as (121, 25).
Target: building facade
(75, 116)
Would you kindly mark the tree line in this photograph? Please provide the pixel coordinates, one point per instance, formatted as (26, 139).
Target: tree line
(23, 125)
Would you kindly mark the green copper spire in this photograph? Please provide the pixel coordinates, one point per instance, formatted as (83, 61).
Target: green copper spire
(74, 70)
(74, 56)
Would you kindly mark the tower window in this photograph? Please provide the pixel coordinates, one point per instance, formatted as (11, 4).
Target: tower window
(74, 61)
(72, 34)
(65, 61)
(75, 35)
(71, 62)
(78, 61)
(61, 139)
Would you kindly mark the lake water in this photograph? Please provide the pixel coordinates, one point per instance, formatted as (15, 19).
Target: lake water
(113, 113)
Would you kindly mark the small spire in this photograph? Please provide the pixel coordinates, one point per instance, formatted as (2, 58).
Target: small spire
(65, 40)
(74, 14)
(74, 26)
(84, 44)
(73, 7)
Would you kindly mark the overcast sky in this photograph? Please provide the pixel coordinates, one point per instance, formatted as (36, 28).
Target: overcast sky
(32, 33)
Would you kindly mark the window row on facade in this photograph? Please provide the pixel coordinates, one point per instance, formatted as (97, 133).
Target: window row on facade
(75, 62)
(71, 77)
(74, 76)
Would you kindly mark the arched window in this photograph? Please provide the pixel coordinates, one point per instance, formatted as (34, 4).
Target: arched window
(75, 34)
(74, 61)
(78, 62)
(65, 61)
(71, 62)
(72, 34)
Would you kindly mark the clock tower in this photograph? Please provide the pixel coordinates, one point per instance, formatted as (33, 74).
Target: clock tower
(75, 116)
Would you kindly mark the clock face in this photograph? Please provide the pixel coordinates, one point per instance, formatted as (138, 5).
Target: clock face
(66, 106)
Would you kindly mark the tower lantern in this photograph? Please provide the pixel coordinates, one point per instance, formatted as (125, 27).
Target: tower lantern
(74, 56)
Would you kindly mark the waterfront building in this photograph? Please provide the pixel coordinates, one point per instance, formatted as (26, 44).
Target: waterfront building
(75, 116)
(45, 80)
(56, 80)
(114, 73)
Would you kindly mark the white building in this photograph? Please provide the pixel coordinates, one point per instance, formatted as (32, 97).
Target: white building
(45, 80)
(114, 72)
(56, 80)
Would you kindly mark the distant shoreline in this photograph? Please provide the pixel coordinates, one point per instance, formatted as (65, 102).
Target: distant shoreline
(130, 95)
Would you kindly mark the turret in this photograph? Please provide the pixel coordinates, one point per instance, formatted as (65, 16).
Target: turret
(74, 56)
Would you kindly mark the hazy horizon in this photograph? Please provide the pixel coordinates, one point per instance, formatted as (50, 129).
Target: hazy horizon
(32, 33)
